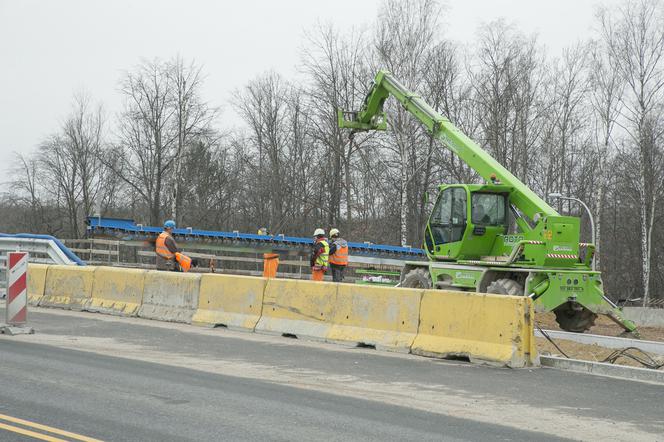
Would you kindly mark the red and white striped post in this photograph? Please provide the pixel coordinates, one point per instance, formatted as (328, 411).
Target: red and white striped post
(17, 288)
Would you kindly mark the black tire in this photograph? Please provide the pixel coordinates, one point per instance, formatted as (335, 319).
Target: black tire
(574, 318)
(419, 278)
(505, 286)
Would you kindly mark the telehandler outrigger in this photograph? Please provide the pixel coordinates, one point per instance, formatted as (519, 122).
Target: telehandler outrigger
(469, 239)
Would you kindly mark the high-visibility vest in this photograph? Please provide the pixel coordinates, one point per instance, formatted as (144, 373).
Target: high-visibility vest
(160, 246)
(340, 256)
(184, 261)
(321, 261)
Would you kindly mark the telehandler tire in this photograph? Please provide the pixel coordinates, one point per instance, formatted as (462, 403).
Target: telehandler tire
(418, 279)
(505, 286)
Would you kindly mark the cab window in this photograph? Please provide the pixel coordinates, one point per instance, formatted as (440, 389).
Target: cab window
(448, 219)
(488, 209)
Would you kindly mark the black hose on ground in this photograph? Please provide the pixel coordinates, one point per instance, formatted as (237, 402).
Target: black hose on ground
(546, 335)
(635, 354)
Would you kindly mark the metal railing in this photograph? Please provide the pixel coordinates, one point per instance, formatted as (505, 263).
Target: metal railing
(140, 254)
(41, 250)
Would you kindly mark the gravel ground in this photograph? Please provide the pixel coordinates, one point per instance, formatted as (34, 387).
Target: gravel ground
(603, 326)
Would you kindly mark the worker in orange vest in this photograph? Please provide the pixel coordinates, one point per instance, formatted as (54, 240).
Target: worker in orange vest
(166, 248)
(319, 255)
(169, 256)
(338, 255)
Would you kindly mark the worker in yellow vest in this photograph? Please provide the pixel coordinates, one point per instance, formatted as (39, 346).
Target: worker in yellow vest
(338, 255)
(319, 256)
(166, 248)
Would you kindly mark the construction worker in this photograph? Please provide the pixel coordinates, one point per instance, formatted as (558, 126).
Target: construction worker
(319, 255)
(166, 248)
(338, 255)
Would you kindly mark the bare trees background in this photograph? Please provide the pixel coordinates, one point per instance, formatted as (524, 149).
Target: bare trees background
(588, 122)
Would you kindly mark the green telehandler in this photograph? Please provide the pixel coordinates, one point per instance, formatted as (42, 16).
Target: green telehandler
(497, 237)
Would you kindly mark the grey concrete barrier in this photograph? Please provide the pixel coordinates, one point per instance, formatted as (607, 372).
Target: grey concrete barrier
(170, 296)
(645, 316)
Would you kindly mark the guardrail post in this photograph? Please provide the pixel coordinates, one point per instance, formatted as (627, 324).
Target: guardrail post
(16, 306)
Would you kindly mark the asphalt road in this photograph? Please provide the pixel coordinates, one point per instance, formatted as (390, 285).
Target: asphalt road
(131, 379)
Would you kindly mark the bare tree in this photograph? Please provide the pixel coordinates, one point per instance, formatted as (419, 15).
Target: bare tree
(147, 148)
(84, 135)
(163, 114)
(405, 34)
(263, 106)
(26, 191)
(635, 40)
(606, 91)
(192, 118)
(61, 179)
(337, 69)
(507, 78)
(569, 119)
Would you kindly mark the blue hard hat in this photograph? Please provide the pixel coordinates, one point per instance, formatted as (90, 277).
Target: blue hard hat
(169, 224)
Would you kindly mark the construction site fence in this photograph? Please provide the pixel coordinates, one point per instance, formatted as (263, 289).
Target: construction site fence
(486, 329)
(141, 255)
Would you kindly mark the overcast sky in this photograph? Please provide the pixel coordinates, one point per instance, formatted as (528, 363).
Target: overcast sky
(51, 49)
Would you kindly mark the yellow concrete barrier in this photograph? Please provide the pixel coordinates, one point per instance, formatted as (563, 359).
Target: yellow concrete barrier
(493, 329)
(68, 287)
(117, 291)
(386, 318)
(170, 296)
(36, 282)
(297, 307)
(229, 300)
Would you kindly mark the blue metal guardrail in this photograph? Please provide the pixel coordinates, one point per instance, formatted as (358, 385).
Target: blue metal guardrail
(116, 225)
(68, 253)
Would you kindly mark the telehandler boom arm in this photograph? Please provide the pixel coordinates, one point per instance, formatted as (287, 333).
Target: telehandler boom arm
(372, 117)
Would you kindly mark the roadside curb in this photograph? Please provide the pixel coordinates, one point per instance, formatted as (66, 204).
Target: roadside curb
(15, 330)
(603, 369)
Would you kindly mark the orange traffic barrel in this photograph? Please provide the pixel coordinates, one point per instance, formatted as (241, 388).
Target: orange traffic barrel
(270, 265)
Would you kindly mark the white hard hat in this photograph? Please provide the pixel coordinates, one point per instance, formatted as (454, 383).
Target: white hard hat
(334, 232)
(319, 232)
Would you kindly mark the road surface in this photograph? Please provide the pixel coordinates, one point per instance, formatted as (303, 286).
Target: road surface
(108, 378)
